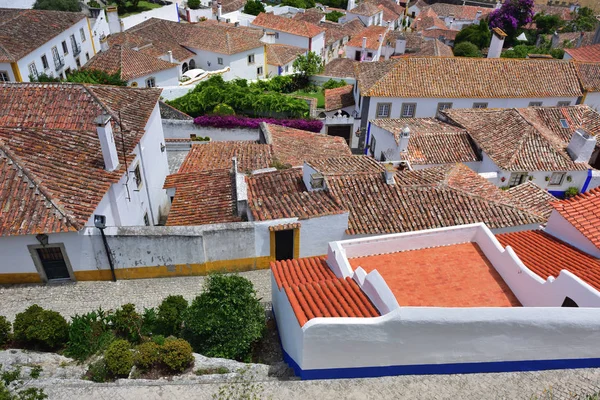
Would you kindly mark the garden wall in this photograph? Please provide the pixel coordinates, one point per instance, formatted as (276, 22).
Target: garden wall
(178, 129)
(169, 13)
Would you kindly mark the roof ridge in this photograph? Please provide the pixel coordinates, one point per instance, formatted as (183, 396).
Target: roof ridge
(45, 192)
(105, 107)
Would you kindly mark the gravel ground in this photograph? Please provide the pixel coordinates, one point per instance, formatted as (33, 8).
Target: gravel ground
(81, 297)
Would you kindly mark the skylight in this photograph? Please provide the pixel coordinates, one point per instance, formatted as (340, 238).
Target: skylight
(564, 123)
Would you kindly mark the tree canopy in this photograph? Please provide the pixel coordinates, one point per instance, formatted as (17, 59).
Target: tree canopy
(309, 64)
(466, 49)
(584, 21)
(254, 7)
(85, 76)
(512, 15)
(548, 23)
(480, 35)
(334, 16)
(57, 5)
(299, 3)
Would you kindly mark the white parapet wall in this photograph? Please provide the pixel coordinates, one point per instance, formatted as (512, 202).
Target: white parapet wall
(168, 13)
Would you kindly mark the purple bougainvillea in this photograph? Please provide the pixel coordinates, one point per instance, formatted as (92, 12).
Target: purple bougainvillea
(512, 15)
(233, 121)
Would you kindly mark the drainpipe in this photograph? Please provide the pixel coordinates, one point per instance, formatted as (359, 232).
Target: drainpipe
(110, 261)
(146, 182)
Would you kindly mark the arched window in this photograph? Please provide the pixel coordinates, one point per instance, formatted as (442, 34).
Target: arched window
(184, 67)
(192, 64)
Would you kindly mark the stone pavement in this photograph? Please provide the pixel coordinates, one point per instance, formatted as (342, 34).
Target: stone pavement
(546, 385)
(81, 297)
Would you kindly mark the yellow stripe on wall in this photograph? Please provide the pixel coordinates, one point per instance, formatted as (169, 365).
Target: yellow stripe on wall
(16, 72)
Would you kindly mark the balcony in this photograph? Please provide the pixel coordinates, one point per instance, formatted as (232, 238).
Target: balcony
(76, 48)
(59, 62)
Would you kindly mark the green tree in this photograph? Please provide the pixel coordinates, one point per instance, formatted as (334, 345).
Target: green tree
(193, 4)
(93, 76)
(299, 3)
(57, 5)
(466, 49)
(548, 23)
(480, 35)
(334, 16)
(254, 7)
(309, 64)
(584, 21)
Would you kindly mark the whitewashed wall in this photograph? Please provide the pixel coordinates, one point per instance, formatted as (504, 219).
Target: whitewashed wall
(6, 67)
(196, 15)
(238, 63)
(592, 99)
(168, 77)
(168, 13)
(178, 129)
(100, 28)
(561, 228)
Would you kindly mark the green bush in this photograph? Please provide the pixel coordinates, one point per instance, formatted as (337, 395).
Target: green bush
(40, 329)
(98, 372)
(146, 355)
(170, 315)
(466, 49)
(128, 323)
(333, 84)
(149, 322)
(159, 339)
(254, 7)
(193, 4)
(571, 192)
(88, 334)
(334, 16)
(118, 358)
(226, 319)
(177, 355)
(4, 331)
(223, 109)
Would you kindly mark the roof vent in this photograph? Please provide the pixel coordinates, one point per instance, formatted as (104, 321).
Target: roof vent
(564, 123)
(581, 147)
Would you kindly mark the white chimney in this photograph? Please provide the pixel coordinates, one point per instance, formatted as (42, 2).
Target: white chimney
(241, 190)
(219, 11)
(403, 143)
(498, 37)
(351, 5)
(107, 142)
(581, 147)
(478, 16)
(498, 5)
(364, 42)
(268, 38)
(170, 53)
(380, 38)
(389, 173)
(103, 43)
(114, 23)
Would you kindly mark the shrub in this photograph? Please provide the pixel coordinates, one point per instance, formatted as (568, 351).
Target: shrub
(170, 315)
(128, 323)
(218, 121)
(39, 328)
(334, 16)
(333, 84)
(88, 334)
(146, 355)
(226, 319)
(177, 355)
(98, 372)
(223, 109)
(466, 49)
(4, 331)
(118, 358)
(149, 322)
(159, 339)
(254, 7)
(193, 4)
(571, 192)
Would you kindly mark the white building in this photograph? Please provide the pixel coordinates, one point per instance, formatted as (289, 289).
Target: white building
(458, 16)
(292, 32)
(75, 153)
(280, 58)
(369, 45)
(57, 44)
(588, 73)
(367, 12)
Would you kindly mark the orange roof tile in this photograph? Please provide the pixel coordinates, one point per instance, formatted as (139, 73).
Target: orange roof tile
(289, 25)
(460, 12)
(583, 212)
(365, 9)
(448, 276)
(338, 98)
(315, 292)
(282, 54)
(372, 34)
(546, 256)
(585, 53)
(349, 165)
(589, 74)
(533, 197)
(217, 155)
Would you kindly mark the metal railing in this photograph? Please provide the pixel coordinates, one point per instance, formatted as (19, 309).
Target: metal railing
(76, 48)
(58, 62)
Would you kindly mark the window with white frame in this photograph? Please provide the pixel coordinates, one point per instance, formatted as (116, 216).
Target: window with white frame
(516, 178)
(4, 76)
(535, 104)
(563, 103)
(32, 70)
(408, 110)
(556, 179)
(383, 110)
(259, 71)
(480, 105)
(82, 34)
(444, 106)
(250, 58)
(220, 60)
(151, 82)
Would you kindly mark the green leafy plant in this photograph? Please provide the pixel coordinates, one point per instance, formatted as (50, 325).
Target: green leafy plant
(211, 371)
(308, 64)
(193, 4)
(88, 334)
(159, 339)
(254, 7)
(334, 16)
(149, 321)
(35, 372)
(40, 329)
(10, 376)
(98, 372)
(226, 319)
(466, 49)
(223, 109)
(333, 84)
(478, 34)
(119, 358)
(571, 192)
(176, 355)
(170, 315)
(4, 331)
(128, 323)
(146, 355)
(57, 5)
(93, 76)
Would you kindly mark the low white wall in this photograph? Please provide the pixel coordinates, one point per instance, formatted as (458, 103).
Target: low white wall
(168, 13)
(316, 233)
(290, 332)
(196, 15)
(181, 129)
(559, 227)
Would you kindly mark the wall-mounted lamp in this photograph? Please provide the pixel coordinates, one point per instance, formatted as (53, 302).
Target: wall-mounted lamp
(162, 147)
(42, 238)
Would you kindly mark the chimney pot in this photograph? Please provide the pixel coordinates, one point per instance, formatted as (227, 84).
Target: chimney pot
(170, 53)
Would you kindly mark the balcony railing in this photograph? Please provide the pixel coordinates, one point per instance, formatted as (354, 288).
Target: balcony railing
(76, 48)
(58, 62)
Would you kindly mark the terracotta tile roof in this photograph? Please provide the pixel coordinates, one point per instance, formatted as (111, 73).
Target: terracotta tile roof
(549, 119)
(583, 212)
(513, 142)
(372, 34)
(131, 64)
(48, 132)
(431, 141)
(349, 165)
(388, 14)
(589, 75)
(288, 25)
(294, 146)
(281, 54)
(428, 19)
(221, 38)
(563, 12)
(282, 194)
(570, 39)
(460, 12)
(338, 98)
(228, 6)
(390, 5)
(459, 77)
(312, 15)
(340, 68)
(315, 292)
(546, 256)
(23, 31)
(335, 31)
(366, 9)
(168, 112)
(414, 41)
(448, 34)
(431, 48)
(585, 53)
(534, 198)
(217, 155)
(425, 199)
(202, 197)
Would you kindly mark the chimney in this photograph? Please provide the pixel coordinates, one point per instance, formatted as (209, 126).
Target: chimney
(380, 38)
(114, 23)
(389, 173)
(268, 38)
(403, 143)
(498, 5)
(103, 43)
(580, 40)
(107, 141)
(364, 42)
(351, 5)
(219, 11)
(555, 41)
(478, 16)
(538, 41)
(241, 189)
(497, 43)
(170, 53)
(581, 146)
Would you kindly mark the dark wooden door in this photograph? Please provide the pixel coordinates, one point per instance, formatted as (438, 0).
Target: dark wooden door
(340, 130)
(53, 263)
(284, 245)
